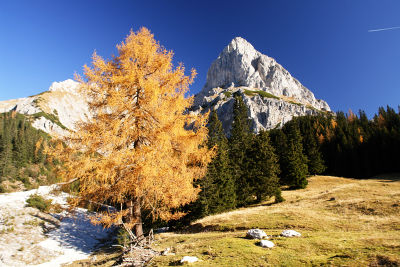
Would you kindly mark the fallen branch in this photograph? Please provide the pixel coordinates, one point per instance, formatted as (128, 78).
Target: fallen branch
(69, 182)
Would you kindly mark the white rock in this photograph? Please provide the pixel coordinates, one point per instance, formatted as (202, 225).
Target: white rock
(290, 233)
(48, 126)
(266, 244)
(256, 234)
(189, 259)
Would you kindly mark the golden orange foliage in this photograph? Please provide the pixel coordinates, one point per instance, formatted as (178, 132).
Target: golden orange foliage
(381, 120)
(333, 123)
(351, 116)
(320, 138)
(135, 152)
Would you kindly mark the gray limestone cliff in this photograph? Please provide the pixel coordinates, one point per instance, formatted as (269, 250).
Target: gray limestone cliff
(272, 95)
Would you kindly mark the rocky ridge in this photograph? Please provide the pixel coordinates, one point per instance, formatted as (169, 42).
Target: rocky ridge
(53, 111)
(271, 94)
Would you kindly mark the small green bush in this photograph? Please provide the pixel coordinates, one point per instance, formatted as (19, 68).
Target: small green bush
(264, 94)
(228, 94)
(295, 103)
(2, 189)
(123, 237)
(249, 92)
(38, 202)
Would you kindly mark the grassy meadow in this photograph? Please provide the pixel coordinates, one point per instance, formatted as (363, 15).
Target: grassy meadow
(343, 222)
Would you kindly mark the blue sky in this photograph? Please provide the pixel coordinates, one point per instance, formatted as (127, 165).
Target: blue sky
(324, 44)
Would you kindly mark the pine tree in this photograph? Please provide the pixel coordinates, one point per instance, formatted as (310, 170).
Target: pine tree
(279, 142)
(6, 145)
(295, 160)
(316, 164)
(263, 168)
(218, 188)
(239, 141)
(20, 147)
(135, 153)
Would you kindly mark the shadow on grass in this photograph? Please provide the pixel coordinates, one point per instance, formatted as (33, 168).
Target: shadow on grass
(387, 178)
(199, 228)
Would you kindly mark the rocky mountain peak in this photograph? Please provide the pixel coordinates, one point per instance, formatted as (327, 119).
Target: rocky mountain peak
(240, 45)
(68, 85)
(271, 93)
(240, 64)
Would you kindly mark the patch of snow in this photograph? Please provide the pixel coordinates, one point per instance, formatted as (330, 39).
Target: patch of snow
(75, 238)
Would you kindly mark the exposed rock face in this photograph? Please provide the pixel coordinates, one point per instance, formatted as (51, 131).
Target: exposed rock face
(55, 110)
(272, 95)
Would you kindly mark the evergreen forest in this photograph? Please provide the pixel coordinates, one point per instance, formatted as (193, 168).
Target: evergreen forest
(23, 164)
(250, 168)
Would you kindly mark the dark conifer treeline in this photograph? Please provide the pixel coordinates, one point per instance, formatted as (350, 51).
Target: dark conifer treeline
(244, 171)
(21, 147)
(351, 145)
(250, 168)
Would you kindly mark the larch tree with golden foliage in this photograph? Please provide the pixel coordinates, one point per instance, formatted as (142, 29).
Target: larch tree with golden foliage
(137, 151)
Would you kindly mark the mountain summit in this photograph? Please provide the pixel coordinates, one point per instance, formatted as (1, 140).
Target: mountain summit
(272, 95)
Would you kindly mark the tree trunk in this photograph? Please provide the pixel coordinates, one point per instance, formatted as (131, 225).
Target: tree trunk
(135, 213)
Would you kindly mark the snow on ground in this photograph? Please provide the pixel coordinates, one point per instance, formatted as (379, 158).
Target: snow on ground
(32, 238)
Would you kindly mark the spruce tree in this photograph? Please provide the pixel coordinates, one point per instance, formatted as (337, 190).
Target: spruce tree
(295, 160)
(218, 188)
(279, 142)
(239, 141)
(6, 146)
(263, 168)
(20, 146)
(316, 164)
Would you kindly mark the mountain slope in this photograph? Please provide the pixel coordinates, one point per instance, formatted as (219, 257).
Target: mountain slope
(52, 111)
(338, 229)
(272, 95)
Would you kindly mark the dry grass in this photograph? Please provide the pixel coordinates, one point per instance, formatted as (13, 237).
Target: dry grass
(343, 222)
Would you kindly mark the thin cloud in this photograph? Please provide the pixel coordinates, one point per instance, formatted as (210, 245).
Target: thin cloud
(385, 29)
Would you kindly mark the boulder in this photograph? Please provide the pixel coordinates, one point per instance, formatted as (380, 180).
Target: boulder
(256, 234)
(290, 233)
(266, 244)
(189, 259)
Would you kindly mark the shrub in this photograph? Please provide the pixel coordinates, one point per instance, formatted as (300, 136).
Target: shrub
(228, 94)
(267, 95)
(3, 189)
(38, 202)
(295, 103)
